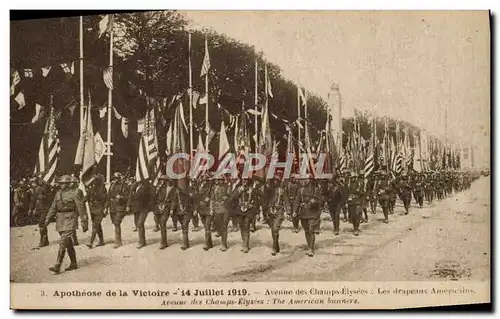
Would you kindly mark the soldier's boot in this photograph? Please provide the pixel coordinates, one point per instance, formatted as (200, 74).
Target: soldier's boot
(355, 223)
(44, 238)
(118, 236)
(386, 214)
(310, 250)
(246, 241)
(185, 239)
(317, 226)
(336, 223)
(60, 256)
(223, 246)
(175, 221)
(235, 227)
(276, 247)
(75, 239)
(208, 240)
(365, 214)
(163, 241)
(72, 258)
(92, 237)
(142, 237)
(157, 223)
(253, 222)
(196, 222)
(100, 236)
(295, 223)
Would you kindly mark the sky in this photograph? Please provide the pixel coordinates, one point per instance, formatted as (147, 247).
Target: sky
(411, 65)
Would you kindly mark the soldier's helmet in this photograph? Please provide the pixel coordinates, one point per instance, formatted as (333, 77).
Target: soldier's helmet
(117, 175)
(74, 179)
(163, 178)
(65, 179)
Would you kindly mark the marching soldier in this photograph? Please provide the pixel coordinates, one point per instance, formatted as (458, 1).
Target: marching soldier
(418, 190)
(246, 201)
(307, 206)
(195, 219)
(384, 194)
(40, 204)
(79, 192)
(355, 201)
(222, 209)
(21, 203)
(275, 211)
(204, 208)
(293, 189)
(140, 203)
(405, 192)
(428, 190)
(96, 197)
(184, 213)
(393, 194)
(165, 206)
(336, 197)
(117, 203)
(67, 206)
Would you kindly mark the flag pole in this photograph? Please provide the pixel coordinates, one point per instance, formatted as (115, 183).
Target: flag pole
(191, 144)
(256, 101)
(266, 88)
(207, 126)
(81, 76)
(110, 108)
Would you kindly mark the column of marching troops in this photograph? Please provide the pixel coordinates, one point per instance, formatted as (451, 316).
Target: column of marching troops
(217, 202)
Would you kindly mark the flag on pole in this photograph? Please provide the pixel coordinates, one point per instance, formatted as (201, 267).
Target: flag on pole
(269, 88)
(48, 153)
(85, 152)
(105, 25)
(148, 148)
(205, 67)
(107, 76)
(16, 78)
(223, 141)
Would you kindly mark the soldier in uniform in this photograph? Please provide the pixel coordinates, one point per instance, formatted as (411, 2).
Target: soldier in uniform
(275, 211)
(184, 212)
(96, 197)
(140, 203)
(66, 207)
(246, 201)
(418, 189)
(384, 194)
(165, 206)
(429, 192)
(222, 209)
(336, 197)
(74, 185)
(405, 192)
(21, 203)
(195, 219)
(40, 204)
(117, 203)
(204, 208)
(293, 189)
(307, 206)
(355, 201)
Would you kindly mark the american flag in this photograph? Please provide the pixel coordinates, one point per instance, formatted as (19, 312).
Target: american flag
(398, 165)
(107, 75)
(48, 154)
(206, 61)
(369, 162)
(148, 149)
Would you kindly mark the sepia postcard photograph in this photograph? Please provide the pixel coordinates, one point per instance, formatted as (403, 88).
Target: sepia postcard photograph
(220, 160)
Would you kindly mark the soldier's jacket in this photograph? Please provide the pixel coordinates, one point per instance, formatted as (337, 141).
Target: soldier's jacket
(41, 198)
(293, 188)
(279, 202)
(220, 198)
(184, 202)
(356, 193)
(96, 196)
(165, 198)
(307, 202)
(405, 188)
(245, 198)
(141, 198)
(264, 194)
(21, 197)
(118, 196)
(384, 189)
(67, 206)
(203, 198)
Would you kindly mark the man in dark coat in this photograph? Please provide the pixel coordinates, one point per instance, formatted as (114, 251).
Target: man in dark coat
(204, 208)
(184, 212)
(96, 197)
(140, 203)
(40, 204)
(384, 193)
(276, 210)
(221, 207)
(356, 201)
(166, 197)
(67, 206)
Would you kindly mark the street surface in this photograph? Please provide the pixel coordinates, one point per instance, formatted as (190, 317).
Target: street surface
(447, 240)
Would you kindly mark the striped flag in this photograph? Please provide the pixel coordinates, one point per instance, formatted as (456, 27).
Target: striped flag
(105, 25)
(48, 154)
(398, 168)
(369, 162)
(148, 148)
(205, 67)
(107, 76)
